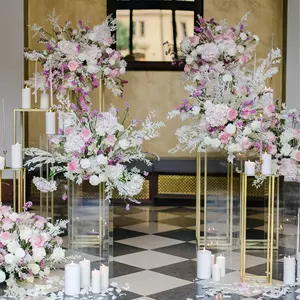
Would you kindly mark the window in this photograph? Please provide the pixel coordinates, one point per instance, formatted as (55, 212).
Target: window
(166, 20)
(142, 28)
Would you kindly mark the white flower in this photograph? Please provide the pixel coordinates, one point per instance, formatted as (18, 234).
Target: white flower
(20, 253)
(227, 78)
(122, 70)
(247, 131)
(256, 37)
(185, 44)
(68, 48)
(243, 36)
(85, 163)
(58, 254)
(241, 48)
(255, 125)
(101, 159)
(93, 68)
(215, 143)
(25, 233)
(230, 129)
(234, 148)
(38, 254)
(44, 185)
(210, 52)
(230, 47)
(286, 150)
(2, 276)
(216, 115)
(189, 59)
(124, 144)
(14, 216)
(35, 268)
(102, 178)
(114, 172)
(94, 180)
(13, 246)
(195, 110)
(207, 141)
(134, 185)
(9, 259)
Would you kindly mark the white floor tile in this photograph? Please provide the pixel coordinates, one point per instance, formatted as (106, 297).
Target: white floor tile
(148, 259)
(152, 216)
(148, 282)
(151, 227)
(150, 242)
(143, 298)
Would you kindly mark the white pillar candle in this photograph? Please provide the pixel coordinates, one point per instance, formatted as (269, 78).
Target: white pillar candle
(2, 163)
(212, 259)
(250, 168)
(203, 264)
(60, 121)
(298, 265)
(26, 98)
(216, 272)
(104, 270)
(266, 167)
(96, 282)
(44, 103)
(221, 262)
(289, 265)
(85, 273)
(16, 156)
(50, 122)
(72, 279)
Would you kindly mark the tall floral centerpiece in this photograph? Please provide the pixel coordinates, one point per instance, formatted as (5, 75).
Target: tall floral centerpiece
(95, 149)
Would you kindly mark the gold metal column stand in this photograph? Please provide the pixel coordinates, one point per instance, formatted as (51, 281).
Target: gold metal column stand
(201, 188)
(270, 229)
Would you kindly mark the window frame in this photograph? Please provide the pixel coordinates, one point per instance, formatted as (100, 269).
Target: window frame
(113, 5)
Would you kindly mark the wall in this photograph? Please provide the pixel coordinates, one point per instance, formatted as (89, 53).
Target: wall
(163, 91)
(11, 62)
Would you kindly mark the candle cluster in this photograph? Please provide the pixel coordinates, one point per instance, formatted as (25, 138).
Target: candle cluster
(79, 276)
(266, 166)
(26, 99)
(206, 266)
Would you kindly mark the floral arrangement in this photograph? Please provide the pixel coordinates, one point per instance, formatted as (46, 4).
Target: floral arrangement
(97, 146)
(30, 246)
(77, 59)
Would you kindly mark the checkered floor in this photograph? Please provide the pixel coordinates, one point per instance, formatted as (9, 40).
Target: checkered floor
(154, 250)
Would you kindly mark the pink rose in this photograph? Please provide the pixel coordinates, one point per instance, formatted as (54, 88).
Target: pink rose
(231, 114)
(7, 223)
(246, 144)
(73, 65)
(272, 149)
(268, 110)
(187, 68)
(244, 58)
(5, 235)
(73, 166)
(297, 155)
(114, 73)
(110, 140)
(271, 137)
(86, 134)
(107, 41)
(37, 241)
(4, 210)
(224, 137)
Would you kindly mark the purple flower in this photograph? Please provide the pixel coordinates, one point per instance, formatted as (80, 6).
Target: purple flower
(146, 173)
(127, 206)
(64, 196)
(127, 105)
(27, 205)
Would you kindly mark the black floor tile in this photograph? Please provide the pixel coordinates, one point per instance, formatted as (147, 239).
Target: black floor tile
(180, 221)
(125, 221)
(186, 235)
(185, 250)
(117, 269)
(260, 270)
(121, 234)
(122, 249)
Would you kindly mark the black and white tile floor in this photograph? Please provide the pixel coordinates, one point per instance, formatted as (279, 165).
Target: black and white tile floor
(154, 250)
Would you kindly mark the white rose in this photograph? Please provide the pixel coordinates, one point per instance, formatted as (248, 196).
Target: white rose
(207, 141)
(35, 268)
(286, 150)
(215, 143)
(14, 216)
(30, 279)
(9, 259)
(247, 130)
(255, 125)
(85, 163)
(230, 129)
(227, 78)
(58, 254)
(194, 54)
(243, 36)
(189, 59)
(256, 38)
(124, 144)
(2, 276)
(93, 69)
(134, 185)
(101, 159)
(109, 51)
(185, 44)
(241, 48)
(25, 233)
(20, 253)
(122, 70)
(38, 254)
(47, 271)
(13, 246)
(195, 110)
(210, 52)
(102, 178)
(94, 180)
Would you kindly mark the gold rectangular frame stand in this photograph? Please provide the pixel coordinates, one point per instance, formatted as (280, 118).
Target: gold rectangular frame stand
(20, 182)
(270, 229)
(203, 240)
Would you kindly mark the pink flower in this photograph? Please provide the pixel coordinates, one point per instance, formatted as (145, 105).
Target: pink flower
(107, 41)
(268, 110)
(246, 144)
(297, 155)
(58, 240)
(244, 58)
(7, 223)
(5, 235)
(69, 130)
(114, 73)
(86, 134)
(231, 114)
(4, 210)
(187, 68)
(73, 166)
(271, 137)
(110, 140)
(224, 137)
(37, 241)
(73, 65)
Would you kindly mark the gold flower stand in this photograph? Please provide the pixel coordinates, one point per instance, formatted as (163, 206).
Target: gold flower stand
(271, 180)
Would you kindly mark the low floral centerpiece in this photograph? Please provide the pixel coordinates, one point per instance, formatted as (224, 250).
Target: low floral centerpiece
(30, 246)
